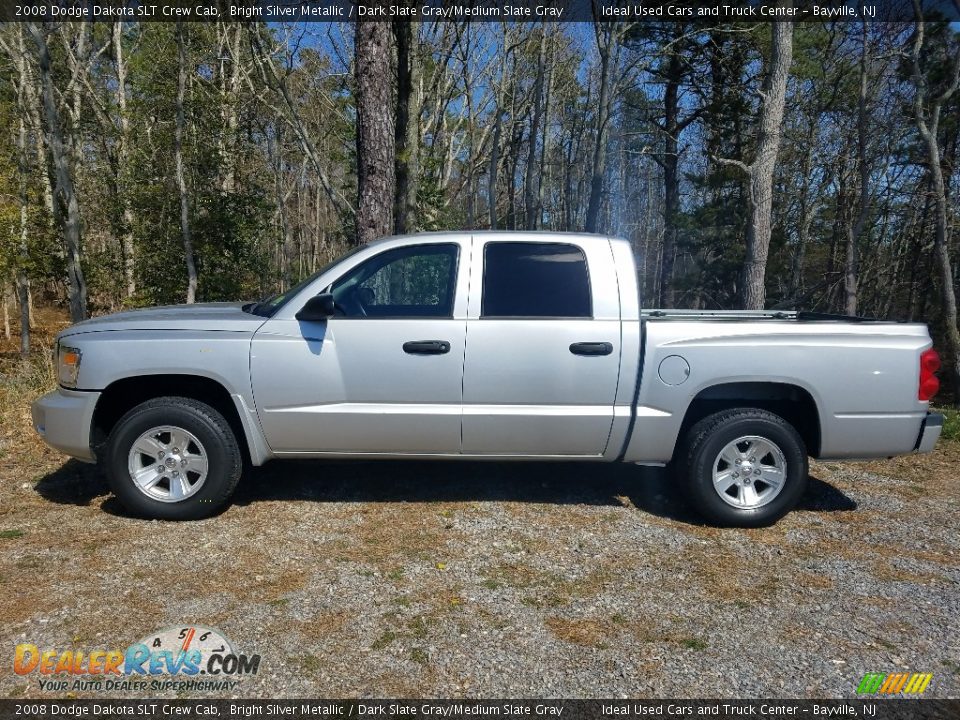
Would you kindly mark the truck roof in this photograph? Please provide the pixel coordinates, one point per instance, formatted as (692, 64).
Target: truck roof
(581, 237)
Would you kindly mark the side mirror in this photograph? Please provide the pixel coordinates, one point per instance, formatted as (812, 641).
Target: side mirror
(317, 308)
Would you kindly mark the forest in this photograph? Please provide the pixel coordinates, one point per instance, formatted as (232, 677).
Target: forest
(807, 166)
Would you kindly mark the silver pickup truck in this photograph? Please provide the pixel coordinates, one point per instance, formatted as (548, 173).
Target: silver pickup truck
(484, 345)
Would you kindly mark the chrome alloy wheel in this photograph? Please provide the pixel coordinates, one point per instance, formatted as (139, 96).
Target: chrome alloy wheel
(749, 472)
(167, 463)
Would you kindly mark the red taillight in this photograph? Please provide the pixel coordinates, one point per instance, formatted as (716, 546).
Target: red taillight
(929, 384)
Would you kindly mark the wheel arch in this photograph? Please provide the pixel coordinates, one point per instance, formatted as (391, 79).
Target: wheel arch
(792, 402)
(122, 395)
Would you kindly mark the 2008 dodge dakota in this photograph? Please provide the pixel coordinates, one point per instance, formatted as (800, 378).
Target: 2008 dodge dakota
(484, 345)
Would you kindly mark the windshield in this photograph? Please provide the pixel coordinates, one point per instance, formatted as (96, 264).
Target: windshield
(271, 304)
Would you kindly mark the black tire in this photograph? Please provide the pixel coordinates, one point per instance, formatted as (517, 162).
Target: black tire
(710, 436)
(224, 459)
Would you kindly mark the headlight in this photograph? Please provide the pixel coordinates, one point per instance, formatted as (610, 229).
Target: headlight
(68, 365)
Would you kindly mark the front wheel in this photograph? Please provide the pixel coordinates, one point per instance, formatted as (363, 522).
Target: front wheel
(744, 467)
(173, 458)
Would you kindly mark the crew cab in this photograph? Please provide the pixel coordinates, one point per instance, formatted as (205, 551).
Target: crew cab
(484, 345)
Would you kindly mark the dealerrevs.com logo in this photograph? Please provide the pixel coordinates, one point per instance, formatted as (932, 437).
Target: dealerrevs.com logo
(185, 657)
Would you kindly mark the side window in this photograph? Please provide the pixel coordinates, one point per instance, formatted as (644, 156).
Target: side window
(535, 280)
(417, 281)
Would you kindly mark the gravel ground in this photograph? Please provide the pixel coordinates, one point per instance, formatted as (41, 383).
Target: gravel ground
(526, 580)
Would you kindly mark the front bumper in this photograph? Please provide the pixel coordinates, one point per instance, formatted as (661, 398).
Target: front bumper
(929, 432)
(63, 419)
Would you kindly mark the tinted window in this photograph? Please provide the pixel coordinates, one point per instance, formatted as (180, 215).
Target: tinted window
(414, 281)
(535, 280)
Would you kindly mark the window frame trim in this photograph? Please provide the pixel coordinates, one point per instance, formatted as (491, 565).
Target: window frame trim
(454, 277)
(483, 282)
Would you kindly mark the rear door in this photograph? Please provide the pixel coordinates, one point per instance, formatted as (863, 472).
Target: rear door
(543, 347)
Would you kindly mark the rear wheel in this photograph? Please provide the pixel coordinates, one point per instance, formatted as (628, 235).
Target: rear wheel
(173, 458)
(744, 467)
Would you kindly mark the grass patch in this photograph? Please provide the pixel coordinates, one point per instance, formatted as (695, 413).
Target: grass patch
(951, 423)
(952, 667)
(384, 640)
(10, 534)
(582, 631)
(419, 655)
(308, 663)
(549, 600)
(419, 627)
(693, 643)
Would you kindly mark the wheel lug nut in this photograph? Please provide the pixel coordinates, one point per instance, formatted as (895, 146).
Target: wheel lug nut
(176, 450)
(160, 454)
(751, 459)
(176, 473)
(183, 463)
(739, 461)
(736, 474)
(756, 472)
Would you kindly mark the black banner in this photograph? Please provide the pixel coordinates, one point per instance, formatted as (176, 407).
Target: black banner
(477, 10)
(312, 709)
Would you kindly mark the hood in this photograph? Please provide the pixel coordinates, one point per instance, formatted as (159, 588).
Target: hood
(228, 317)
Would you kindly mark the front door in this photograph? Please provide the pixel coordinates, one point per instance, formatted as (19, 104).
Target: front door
(383, 376)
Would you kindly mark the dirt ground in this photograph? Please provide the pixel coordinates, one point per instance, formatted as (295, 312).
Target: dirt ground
(493, 580)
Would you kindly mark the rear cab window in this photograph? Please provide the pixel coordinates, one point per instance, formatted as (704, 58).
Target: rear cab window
(535, 280)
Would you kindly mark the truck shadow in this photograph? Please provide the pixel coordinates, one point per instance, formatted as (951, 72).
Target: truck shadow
(651, 490)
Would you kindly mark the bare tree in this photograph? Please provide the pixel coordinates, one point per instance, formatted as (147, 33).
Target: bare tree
(375, 131)
(66, 204)
(760, 171)
(926, 110)
(288, 110)
(608, 45)
(16, 50)
(855, 231)
(407, 130)
(229, 72)
(181, 177)
(123, 155)
(531, 188)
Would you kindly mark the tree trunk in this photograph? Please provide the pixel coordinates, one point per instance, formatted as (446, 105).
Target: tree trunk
(531, 193)
(856, 230)
(66, 204)
(178, 161)
(407, 132)
(23, 254)
(23, 173)
(229, 36)
(606, 44)
(123, 170)
(764, 165)
(927, 116)
(671, 178)
(494, 170)
(6, 311)
(376, 139)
